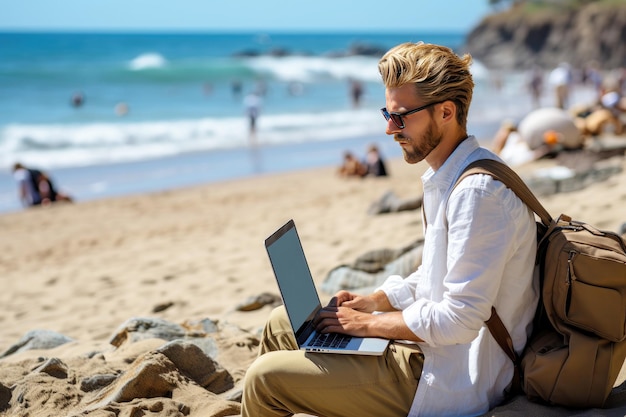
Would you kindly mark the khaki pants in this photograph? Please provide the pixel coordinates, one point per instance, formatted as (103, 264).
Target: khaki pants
(284, 380)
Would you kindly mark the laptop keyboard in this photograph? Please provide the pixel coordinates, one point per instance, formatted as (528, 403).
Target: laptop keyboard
(332, 340)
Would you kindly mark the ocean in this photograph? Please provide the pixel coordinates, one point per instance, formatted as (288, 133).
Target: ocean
(111, 114)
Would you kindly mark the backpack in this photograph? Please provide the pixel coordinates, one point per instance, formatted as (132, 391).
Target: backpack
(578, 343)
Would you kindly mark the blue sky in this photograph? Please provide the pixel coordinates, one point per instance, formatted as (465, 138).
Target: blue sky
(239, 15)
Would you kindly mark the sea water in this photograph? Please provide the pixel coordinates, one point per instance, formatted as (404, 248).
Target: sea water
(183, 120)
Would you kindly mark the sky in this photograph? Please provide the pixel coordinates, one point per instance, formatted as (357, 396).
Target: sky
(242, 15)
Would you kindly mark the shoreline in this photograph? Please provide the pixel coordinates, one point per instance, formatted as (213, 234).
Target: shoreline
(198, 168)
(195, 168)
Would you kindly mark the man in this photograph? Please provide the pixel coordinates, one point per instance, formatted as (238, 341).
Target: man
(479, 252)
(252, 103)
(35, 187)
(560, 78)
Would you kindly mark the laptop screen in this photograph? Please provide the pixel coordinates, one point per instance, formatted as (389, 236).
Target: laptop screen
(293, 275)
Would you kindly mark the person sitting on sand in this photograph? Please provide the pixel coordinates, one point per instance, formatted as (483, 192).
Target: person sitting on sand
(479, 252)
(351, 166)
(594, 119)
(374, 163)
(36, 187)
(540, 133)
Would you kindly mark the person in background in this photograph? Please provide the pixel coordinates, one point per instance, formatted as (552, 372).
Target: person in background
(121, 109)
(36, 187)
(374, 164)
(356, 93)
(561, 80)
(78, 99)
(252, 103)
(351, 166)
(593, 120)
(479, 252)
(542, 132)
(236, 87)
(535, 86)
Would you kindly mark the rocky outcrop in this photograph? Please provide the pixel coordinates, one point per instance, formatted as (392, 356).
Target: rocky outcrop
(153, 367)
(520, 39)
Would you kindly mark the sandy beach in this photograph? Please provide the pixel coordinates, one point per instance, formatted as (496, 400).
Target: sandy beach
(184, 256)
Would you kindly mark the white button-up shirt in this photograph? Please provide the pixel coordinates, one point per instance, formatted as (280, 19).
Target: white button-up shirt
(479, 252)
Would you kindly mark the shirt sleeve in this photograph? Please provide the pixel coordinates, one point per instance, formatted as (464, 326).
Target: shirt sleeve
(401, 291)
(481, 239)
(20, 175)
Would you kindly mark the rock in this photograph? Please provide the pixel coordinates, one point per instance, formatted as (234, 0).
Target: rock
(389, 202)
(520, 38)
(162, 307)
(259, 301)
(139, 328)
(371, 269)
(37, 339)
(53, 367)
(96, 382)
(160, 374)
(5, 397)
(576, 172)
(201, 327)
(151, 375)
(193, 363)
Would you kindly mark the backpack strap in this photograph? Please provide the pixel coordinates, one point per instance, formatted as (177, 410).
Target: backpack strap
(509, 178)
(503, 338)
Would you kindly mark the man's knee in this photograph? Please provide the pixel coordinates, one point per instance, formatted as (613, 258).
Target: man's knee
(262, 375)
(278, 334)
(278, 315)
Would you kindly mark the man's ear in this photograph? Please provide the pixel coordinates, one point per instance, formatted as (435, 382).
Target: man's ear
(448, 110)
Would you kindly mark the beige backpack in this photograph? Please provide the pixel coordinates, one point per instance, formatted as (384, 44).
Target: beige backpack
(578, 344)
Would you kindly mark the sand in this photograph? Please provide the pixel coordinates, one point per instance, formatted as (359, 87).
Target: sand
(83, 269)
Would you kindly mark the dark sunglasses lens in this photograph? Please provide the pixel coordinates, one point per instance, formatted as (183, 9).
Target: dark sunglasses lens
(397, 120)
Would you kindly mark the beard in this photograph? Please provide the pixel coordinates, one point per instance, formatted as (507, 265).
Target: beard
(417, 150)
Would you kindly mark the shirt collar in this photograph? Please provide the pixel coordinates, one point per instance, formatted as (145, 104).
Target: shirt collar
(449, 171)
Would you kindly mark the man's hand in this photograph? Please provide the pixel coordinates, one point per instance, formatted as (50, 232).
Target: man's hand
(353, 301)
(344, 320)
(351, 314)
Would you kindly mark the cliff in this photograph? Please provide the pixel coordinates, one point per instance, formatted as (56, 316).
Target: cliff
(520, 38)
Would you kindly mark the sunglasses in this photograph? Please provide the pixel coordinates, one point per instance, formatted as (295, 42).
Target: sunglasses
(396, 118)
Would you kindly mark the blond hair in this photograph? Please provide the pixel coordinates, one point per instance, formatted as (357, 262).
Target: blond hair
(437, 72)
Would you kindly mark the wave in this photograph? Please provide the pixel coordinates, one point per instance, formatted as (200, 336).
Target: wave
(302, 69)
(312, 117)
(149, 60)
(151, 67)
(97, 143)
(313, 69)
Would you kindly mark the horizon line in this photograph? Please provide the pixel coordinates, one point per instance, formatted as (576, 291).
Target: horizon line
(198, 31)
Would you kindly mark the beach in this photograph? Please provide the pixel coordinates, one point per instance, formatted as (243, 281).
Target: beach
(186, 122)
(190, 255)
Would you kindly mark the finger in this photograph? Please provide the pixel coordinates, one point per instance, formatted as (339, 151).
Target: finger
(343, 296)
(327, 325)
(324, 313)
(328, 309)
(349, 303)
(334, 302)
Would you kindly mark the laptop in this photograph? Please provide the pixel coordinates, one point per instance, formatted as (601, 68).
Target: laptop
(302, 301)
